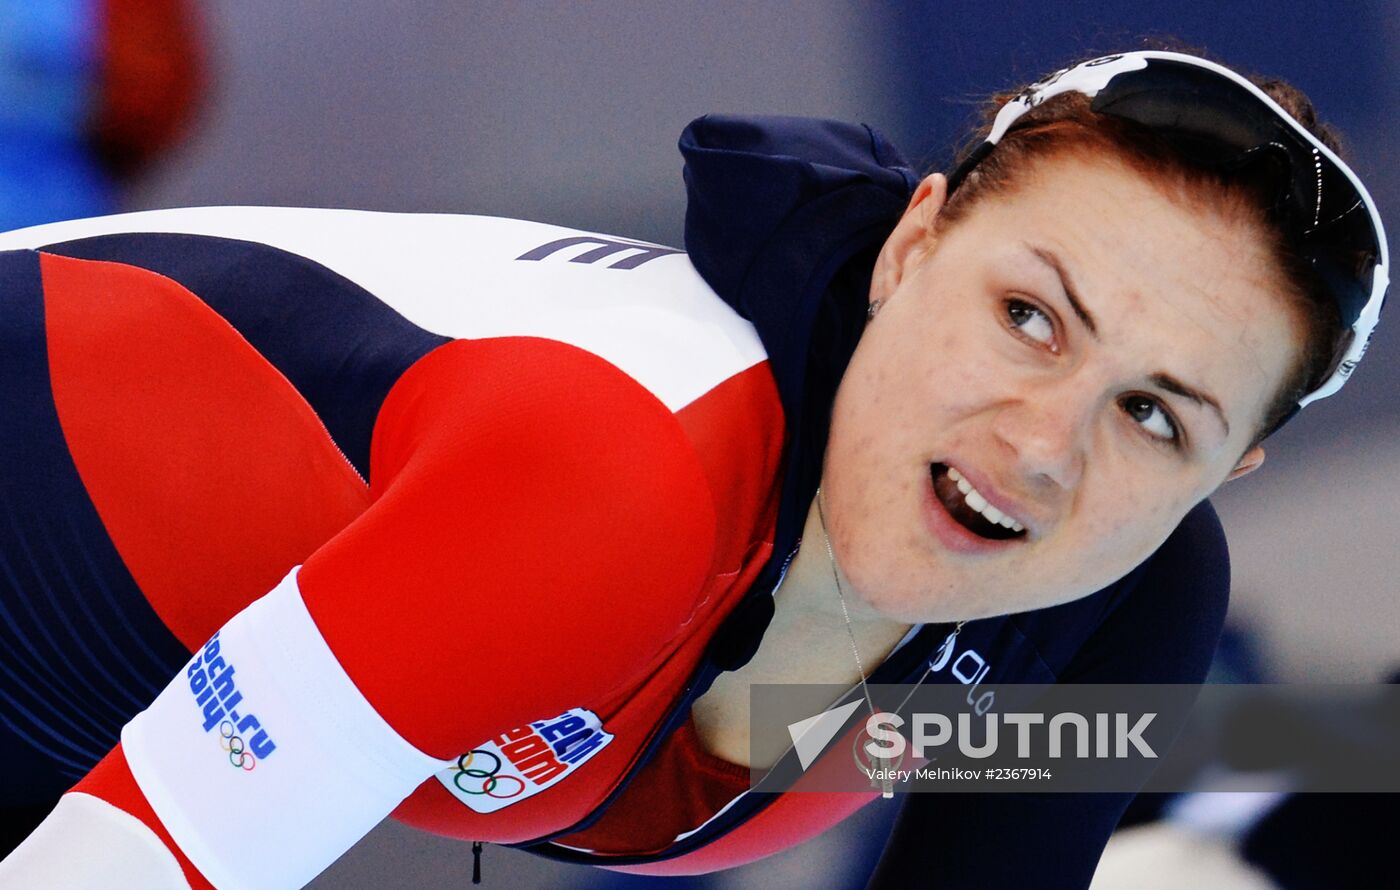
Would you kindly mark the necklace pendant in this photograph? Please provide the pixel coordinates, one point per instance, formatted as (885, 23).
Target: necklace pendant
(882, 768)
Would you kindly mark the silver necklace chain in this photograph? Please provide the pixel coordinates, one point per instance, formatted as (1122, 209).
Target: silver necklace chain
(845, 613)
(885, 785)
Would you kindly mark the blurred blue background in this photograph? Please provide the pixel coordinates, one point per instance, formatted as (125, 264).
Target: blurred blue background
(569, 112)
(47, 55)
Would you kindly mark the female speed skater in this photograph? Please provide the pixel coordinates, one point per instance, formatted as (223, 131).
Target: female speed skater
(311, 517)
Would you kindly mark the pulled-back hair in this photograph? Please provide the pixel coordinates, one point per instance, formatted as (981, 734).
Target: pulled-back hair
(1067, 123)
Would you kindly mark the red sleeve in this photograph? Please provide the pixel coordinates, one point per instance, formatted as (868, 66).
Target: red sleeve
(527, 495)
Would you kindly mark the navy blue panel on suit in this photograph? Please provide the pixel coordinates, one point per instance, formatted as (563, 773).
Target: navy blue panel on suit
(280, 302)
(81, 651)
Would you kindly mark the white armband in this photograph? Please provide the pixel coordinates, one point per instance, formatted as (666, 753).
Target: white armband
(262, 758)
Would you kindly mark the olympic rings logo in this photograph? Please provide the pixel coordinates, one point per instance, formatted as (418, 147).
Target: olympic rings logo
(492, 781)
(238, 753)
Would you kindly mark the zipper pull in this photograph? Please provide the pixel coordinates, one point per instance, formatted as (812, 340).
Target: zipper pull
(476, 862)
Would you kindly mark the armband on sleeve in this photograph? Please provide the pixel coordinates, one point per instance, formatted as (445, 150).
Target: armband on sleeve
(262, 758)
(522, 486)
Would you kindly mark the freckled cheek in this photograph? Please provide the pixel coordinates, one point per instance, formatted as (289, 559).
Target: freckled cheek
(861, 418)
(971, 367)
(906, 389)
(929, 346)
(1111, 514)
(947, 383)
(1123, 532)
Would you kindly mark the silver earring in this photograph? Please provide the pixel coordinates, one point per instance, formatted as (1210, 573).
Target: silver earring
(874, 308)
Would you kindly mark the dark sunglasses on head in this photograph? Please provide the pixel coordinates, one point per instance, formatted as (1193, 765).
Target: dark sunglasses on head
(1217, 117)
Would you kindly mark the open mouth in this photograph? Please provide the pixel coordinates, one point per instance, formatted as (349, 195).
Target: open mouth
(969, 509)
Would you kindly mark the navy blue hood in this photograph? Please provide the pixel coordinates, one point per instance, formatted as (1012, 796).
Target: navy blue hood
(776, 206)
(785, 217)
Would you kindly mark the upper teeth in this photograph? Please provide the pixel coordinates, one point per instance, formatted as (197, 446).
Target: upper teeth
(975, 500)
